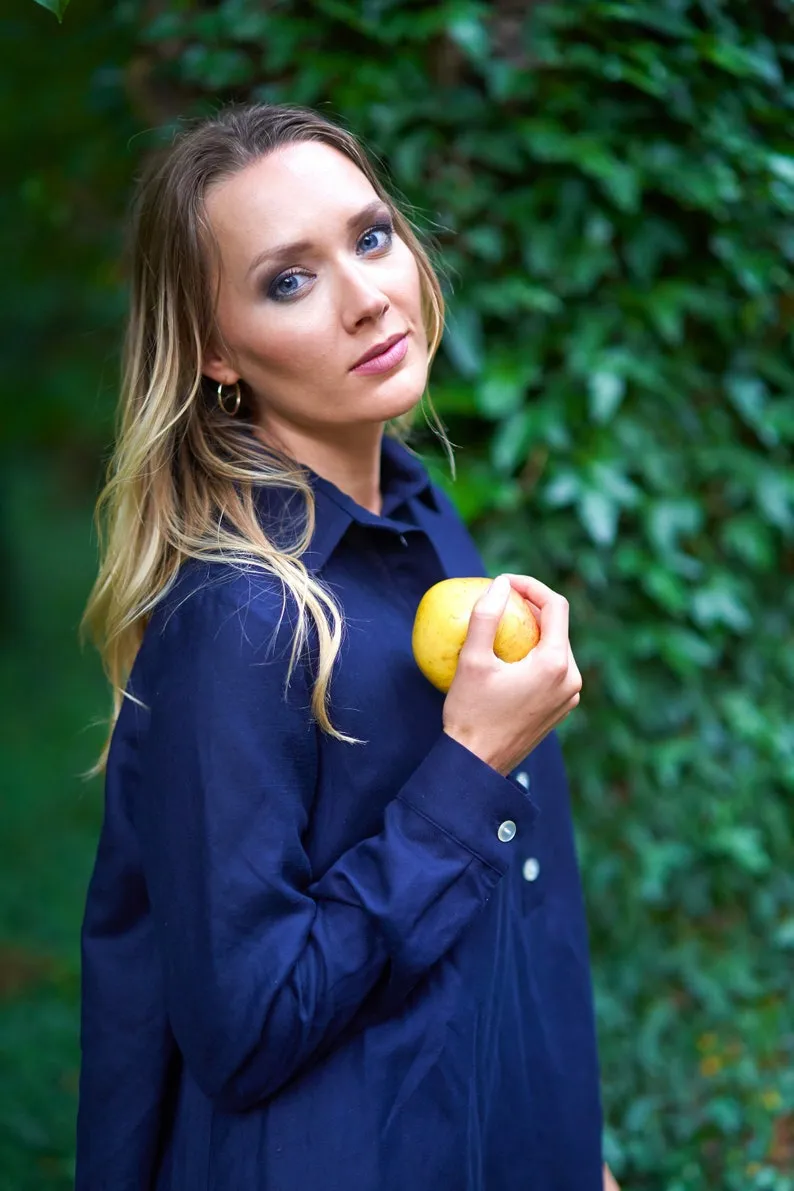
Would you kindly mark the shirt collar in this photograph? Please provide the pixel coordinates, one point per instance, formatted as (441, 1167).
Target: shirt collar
(403, 477)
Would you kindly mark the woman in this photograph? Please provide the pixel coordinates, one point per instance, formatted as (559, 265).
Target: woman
(334, 936)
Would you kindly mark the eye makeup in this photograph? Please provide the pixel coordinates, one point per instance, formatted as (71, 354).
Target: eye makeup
(272, 291)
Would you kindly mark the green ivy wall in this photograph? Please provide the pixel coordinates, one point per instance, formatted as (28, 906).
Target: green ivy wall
(609, 187)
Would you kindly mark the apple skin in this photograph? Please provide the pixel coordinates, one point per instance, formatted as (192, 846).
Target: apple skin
(442, 621)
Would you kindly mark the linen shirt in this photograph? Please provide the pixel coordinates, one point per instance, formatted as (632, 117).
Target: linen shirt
(309, 965)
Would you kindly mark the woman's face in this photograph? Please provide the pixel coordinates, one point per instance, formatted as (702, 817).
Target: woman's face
(297, 319)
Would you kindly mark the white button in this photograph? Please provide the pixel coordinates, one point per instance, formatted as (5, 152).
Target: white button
(506, 831)
(403, 539)
(531, 869)
(523, 779)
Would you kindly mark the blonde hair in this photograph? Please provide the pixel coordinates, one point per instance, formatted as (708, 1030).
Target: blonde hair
(180, 483)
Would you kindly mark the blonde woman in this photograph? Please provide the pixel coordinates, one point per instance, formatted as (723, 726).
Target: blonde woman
(334, 936)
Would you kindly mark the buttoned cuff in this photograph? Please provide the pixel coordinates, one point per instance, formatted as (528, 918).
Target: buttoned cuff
(487, 813)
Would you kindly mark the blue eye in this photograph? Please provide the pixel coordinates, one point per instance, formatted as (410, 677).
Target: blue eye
(386, 228)
(279, 294)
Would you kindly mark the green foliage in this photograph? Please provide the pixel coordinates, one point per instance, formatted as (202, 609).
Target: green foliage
(49, 821)
(57, 6)
(66, 168)
(68, 160)
(610, 187)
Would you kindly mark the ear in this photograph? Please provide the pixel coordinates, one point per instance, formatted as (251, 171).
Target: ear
(217, 367)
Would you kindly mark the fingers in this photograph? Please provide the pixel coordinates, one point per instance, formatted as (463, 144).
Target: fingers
(532, 589)
(549, 607)
(552, 612)
(485, 617)
(554, 623)
(574, 673)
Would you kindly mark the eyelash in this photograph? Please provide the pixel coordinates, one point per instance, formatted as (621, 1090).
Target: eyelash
(272, 291)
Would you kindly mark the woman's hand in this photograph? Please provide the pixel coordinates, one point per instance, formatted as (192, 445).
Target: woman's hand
(501, 710)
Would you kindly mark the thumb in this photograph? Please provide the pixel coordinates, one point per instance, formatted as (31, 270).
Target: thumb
(485, 616)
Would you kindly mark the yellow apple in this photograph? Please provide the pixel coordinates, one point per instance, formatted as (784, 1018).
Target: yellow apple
(442, 621)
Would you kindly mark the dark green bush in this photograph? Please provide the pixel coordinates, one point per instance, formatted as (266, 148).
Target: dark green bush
(610, 186)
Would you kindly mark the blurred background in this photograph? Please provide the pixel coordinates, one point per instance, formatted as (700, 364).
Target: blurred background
(609, 189)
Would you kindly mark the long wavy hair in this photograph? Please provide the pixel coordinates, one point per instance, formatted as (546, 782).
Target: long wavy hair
(181, 481)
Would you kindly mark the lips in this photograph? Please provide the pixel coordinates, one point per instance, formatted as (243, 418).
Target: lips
(380, 348)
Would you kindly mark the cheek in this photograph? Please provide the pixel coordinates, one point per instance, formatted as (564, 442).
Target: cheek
(407, 281)
(284, 341)
(300, 345)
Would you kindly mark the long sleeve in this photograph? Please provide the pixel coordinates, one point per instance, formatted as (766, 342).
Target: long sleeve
(266, 962)
(128, 1051)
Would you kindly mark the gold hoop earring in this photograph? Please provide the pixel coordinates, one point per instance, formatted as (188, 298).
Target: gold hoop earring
(230, 413)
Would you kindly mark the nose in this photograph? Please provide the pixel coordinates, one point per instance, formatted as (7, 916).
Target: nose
(362, 297)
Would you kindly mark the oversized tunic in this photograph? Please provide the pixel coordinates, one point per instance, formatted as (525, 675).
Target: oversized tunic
(310, 965)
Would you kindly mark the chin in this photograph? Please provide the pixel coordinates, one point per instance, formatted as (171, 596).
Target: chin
(393, 394)
(402, 392)
(397, 405)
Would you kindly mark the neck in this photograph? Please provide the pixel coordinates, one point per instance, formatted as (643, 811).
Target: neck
(350, 459)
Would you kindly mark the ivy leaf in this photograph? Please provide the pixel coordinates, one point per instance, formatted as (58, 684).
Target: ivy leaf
(784, 935)
(599, 514)
(720, 603)
(564, 489)
(501, 389)
(775, 495)
(468, 32)
(511, 440)
(743, 845)
(749, 397)
(669, 519)
(57, 6)
(463, 340)
(606, 391)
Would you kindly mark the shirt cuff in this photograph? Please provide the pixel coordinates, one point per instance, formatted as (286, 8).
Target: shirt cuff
(487, 813)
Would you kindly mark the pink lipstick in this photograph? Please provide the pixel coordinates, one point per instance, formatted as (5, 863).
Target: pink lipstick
(386, 360)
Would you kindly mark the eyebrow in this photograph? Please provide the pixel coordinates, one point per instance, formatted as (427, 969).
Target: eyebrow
(284, 252)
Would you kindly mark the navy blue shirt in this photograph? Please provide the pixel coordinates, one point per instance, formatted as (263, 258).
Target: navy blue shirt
(310, 965)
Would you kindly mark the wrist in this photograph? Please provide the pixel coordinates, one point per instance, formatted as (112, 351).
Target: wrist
(469, 741)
